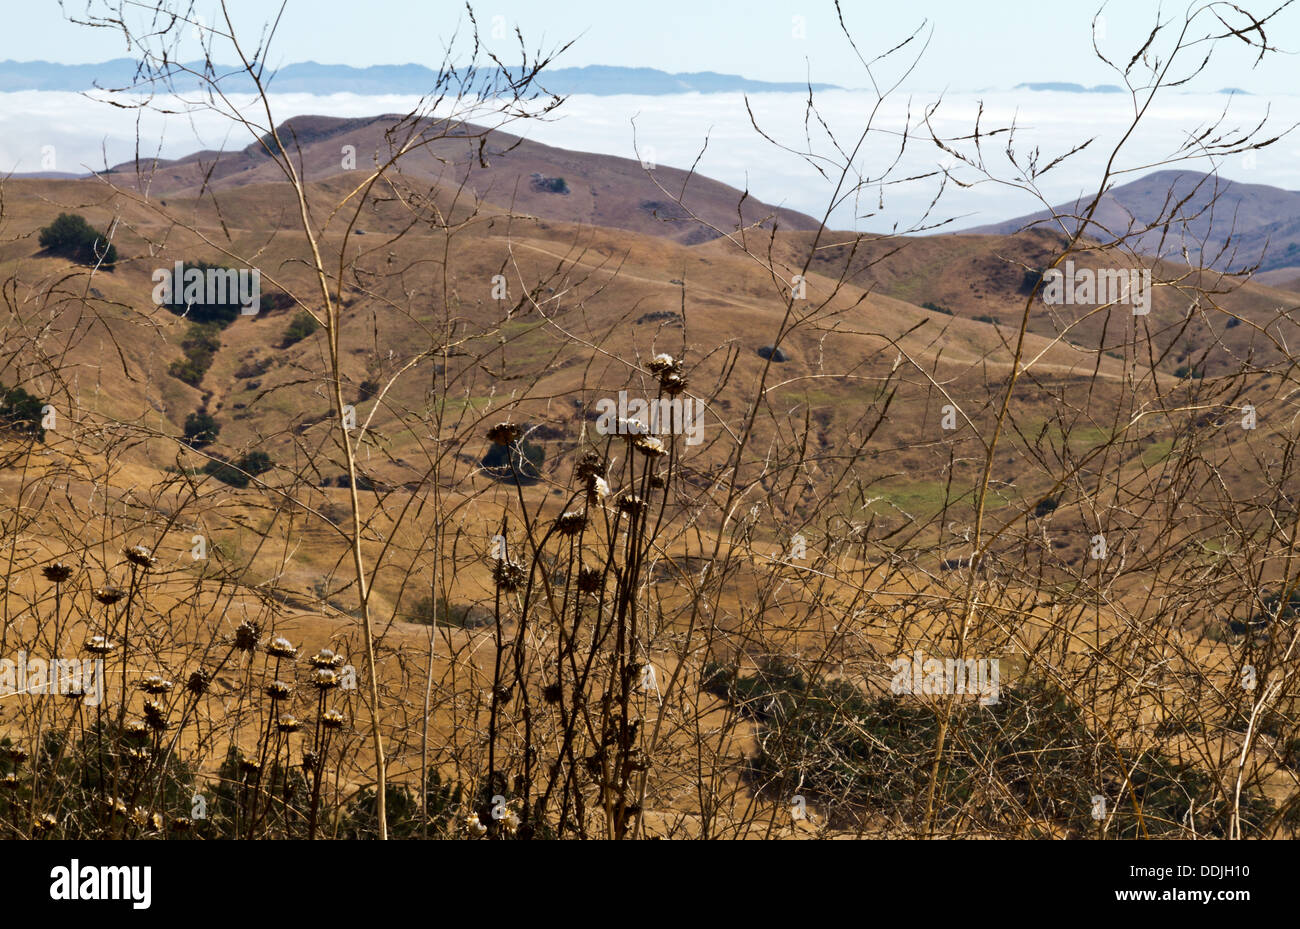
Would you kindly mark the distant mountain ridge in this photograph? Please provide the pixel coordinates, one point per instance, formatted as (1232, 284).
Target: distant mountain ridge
(1263, 221)
(313, 77)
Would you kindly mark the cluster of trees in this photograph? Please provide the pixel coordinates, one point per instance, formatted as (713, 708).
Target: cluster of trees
(70, 236)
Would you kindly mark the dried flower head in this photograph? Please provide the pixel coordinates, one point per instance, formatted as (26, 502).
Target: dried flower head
(597, 490)
(509, 575)
(289, 724)
(57, 572)
(136, 729)
(17, 754)
(140, 556)
(182, 824)
(552, 693)
(109, 595)
(247, 634)
(138, 754)
(198, 683)
(324, 678)
(140, 816)
(509, 822)
(673, 383)
(279, 690)
(250, 768)
(10, 782)
(325, 658)
(657, 482)
(280, 647)
(309, 760)
(474, 825)
(98, 645)
(155, 684)
(45, 823)
(155, 716)
(571, 522)
(631, 428)
(661, 363)
(631, 504)
(590, 465)
(505, 433)
(333, 719)
(590, 580)
(649, 446)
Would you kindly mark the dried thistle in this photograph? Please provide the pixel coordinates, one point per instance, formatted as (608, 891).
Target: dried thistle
(109, 595)
(571, 522)
(280, 647)
(247, 634)
(57, 573)
(140, 556)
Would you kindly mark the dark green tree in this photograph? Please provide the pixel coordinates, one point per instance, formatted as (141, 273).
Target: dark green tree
(70, 236)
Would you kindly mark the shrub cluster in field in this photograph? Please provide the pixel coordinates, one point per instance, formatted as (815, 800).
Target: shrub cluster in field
(1028, 758)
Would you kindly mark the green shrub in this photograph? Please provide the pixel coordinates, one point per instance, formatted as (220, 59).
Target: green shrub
(226, 473)
(257, 462)
(70, 236)
(200, 345)
(300, 327)
(1030, 755)
(20, 412)
(520, 463)
(201, 429)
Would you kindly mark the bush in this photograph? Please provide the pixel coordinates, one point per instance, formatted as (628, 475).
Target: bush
(201, 429)
(20, 412)
(200, 345)
(520, 463)
(70, 236)
(1187, 371)
(256, 463)
(220, 314)
(1046, 505)
(1028, 755)
(302, 325)
(550, 185)
(937, 308)
(226, 473)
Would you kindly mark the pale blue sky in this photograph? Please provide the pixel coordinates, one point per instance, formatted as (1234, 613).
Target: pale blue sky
(975, 45)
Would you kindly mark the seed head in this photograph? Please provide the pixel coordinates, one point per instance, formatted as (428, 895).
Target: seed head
(156, 685)
(154, 716)
(198, 683)
(98, 645)
(109, 595)
(325, 658)
(333, 719)
(571, 522)
(673, 383)
(509, 575)
(649, 446)
(140, 556)
(247, 634)
(289, 724)
(57, 572)
(631, 504)
(590, 580)
(279, 690)
(661, 363)
(280, 647)
(324, 679)
(474, 826)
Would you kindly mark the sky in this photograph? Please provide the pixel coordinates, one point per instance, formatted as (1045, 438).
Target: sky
(976, 54)
(971, 45)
